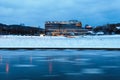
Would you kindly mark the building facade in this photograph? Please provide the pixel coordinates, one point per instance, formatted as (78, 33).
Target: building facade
(71, 27)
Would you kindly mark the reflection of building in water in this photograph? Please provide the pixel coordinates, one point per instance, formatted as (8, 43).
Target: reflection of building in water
(50, 66)
(7, 67)
(0, 59)
(31, 59)
(71, 27)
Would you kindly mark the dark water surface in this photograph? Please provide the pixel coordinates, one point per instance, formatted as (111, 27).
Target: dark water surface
(41, 64)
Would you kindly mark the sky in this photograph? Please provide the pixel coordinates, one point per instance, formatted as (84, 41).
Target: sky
(36, 12)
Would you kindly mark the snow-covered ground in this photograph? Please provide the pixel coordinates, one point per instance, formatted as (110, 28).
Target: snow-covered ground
(105, 41)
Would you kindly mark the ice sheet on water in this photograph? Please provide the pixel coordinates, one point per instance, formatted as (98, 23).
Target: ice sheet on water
(110, 55)
(56, 60)
(24, 65)
(92, 71)
(42, 60)
(82, 59)
(62, 60)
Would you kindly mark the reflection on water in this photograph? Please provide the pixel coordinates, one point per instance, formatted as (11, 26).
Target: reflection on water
(50, 66)
(31, 59)
(0, 59)
(59, 65)
(7, 67)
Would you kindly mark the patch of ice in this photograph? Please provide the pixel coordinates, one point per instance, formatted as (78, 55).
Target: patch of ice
(82, 59)
(110, 55)
(43, 60)
(92, 71)
(62, 60)
(24, 65)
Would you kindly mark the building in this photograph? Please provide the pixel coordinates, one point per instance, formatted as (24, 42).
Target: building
(71, 27)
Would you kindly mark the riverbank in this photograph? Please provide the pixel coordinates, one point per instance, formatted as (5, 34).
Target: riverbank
(51, 42)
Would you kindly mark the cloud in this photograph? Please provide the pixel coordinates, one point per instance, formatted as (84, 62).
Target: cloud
(36, 12)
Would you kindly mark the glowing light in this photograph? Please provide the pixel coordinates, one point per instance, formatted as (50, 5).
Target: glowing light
(7, 67)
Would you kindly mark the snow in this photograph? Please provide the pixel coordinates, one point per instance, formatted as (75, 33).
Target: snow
(102, 41)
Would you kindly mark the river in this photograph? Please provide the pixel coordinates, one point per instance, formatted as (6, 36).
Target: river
(59, 64)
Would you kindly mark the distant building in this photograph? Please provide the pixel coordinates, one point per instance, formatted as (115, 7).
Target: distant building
(71, 27)
(88, 27)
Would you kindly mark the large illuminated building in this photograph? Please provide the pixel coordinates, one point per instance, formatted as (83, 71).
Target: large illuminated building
(71, 27)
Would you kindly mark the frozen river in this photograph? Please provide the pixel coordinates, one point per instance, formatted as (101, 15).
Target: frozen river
(81, 42)
(59, 64)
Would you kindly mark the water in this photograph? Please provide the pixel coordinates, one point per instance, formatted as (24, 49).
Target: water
(41, 64)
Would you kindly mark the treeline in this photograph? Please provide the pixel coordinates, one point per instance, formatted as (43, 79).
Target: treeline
(108, 29)
(19, 30)
(28, 30)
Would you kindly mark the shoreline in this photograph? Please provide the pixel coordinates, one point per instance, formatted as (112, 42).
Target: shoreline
(110, 42)
(60, 49)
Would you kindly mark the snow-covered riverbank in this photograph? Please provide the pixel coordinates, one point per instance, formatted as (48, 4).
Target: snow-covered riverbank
(97, 42)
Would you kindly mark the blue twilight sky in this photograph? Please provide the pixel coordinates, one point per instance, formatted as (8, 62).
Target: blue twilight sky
(36, 12)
